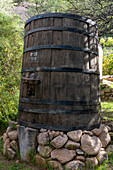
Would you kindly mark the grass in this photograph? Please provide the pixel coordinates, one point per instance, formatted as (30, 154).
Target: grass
(107, 110)
(111, 85)
(107, 105)
(107, 164)
(6, 164)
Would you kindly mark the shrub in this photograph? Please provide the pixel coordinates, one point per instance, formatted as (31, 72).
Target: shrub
(102, 42)
(109, 42)
(11, 44)
(108, 62)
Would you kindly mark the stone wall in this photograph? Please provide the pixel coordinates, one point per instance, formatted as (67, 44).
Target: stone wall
(61, 150)
(106, 93)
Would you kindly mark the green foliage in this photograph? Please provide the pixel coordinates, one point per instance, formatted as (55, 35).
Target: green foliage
(42, 6)
(97, 10)
(5, 6)
(11, 45)
(31, 156)
(102, 42)
(110, 157)
(18, 151)
(107, 44)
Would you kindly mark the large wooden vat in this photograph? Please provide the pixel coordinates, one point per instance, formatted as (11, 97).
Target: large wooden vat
(60, 77)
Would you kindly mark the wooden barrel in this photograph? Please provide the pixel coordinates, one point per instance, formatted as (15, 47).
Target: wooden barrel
(60, 76)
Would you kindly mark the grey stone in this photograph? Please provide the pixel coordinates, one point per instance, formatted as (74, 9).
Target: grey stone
(102, 156)
(72, 145)
(11, 153)
(80, 158)
(56, 165)
(43, 130)
(73, 165)
(102, 149)
(96, 131)
(59, 141)
(104, 136)
(14, 145)
(12, 124)
(63, 155)
(79, 152)
(43, 138)
(40, 161)
(75, 135)
(55, 133)
(110, 124)
(92, 161)
(104, 128)
(109, 148)
(4, 137)
(90, 144)
(107, 90)
(6, 145)
(17, 161)
(87, 132)
(108, 127)
(13, 135)
(44, 151)
(61, 133)
(50, 135)
(27, 141)
(9, 129)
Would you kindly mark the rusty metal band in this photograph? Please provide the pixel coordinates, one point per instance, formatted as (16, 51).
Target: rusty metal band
(55, 127)
(59, 47)
(61, 29)
(62, 15)
(57, 111)
(49, 102)
(60, 69)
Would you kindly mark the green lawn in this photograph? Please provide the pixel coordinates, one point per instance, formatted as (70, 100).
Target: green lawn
(107, 110)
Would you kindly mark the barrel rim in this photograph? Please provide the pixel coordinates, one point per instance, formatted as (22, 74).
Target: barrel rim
(62, 15)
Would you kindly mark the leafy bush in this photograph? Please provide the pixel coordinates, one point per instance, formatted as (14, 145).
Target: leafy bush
(11, 44)
(108, 62)
(107, 44)
(102, 42)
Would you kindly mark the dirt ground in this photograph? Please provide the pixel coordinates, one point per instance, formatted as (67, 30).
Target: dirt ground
(6, 164)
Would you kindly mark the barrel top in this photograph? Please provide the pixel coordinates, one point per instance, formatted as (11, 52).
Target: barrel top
(61, 15)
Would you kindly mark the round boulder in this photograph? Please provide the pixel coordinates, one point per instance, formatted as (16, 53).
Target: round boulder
(90, 144)
(59, 141)
(73, 165)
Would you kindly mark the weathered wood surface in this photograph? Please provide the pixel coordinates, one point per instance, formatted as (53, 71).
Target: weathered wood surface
(78, 88)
